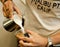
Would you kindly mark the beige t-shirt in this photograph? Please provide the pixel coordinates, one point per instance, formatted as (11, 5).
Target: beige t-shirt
(43, 16)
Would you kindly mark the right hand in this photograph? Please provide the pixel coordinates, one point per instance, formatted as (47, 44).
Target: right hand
(8, 8)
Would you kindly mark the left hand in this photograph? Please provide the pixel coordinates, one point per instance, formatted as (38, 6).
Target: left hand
(35, 40)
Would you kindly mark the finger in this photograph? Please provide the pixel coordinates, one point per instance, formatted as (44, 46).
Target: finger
(25, 44)
(25, 39)
(11, 16)
(30, 32)
(20, 45)
(18, 35)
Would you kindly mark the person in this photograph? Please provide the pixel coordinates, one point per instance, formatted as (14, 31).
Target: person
(43, 24)
(45, 29)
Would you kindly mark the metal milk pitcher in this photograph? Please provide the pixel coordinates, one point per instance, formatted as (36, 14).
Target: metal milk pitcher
(10, 24)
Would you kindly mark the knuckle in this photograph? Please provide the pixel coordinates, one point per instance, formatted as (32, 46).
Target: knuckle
(19, 41)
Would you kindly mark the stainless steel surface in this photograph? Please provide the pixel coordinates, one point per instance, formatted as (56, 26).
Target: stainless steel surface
(9, 25)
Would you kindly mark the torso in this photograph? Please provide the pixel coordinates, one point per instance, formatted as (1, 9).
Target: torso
(48, 22)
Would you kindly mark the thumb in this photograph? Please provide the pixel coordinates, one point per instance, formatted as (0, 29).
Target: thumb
(19, 35)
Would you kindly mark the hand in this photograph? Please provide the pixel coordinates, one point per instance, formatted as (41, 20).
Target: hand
(8, 8)
(35, 40)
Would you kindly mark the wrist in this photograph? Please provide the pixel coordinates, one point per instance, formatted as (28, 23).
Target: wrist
(53, 40)
(48, 42)
(45, 42)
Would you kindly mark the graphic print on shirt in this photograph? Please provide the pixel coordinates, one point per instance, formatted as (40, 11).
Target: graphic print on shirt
(46, 12)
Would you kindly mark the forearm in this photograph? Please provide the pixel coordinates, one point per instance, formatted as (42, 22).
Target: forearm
(56, 38)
